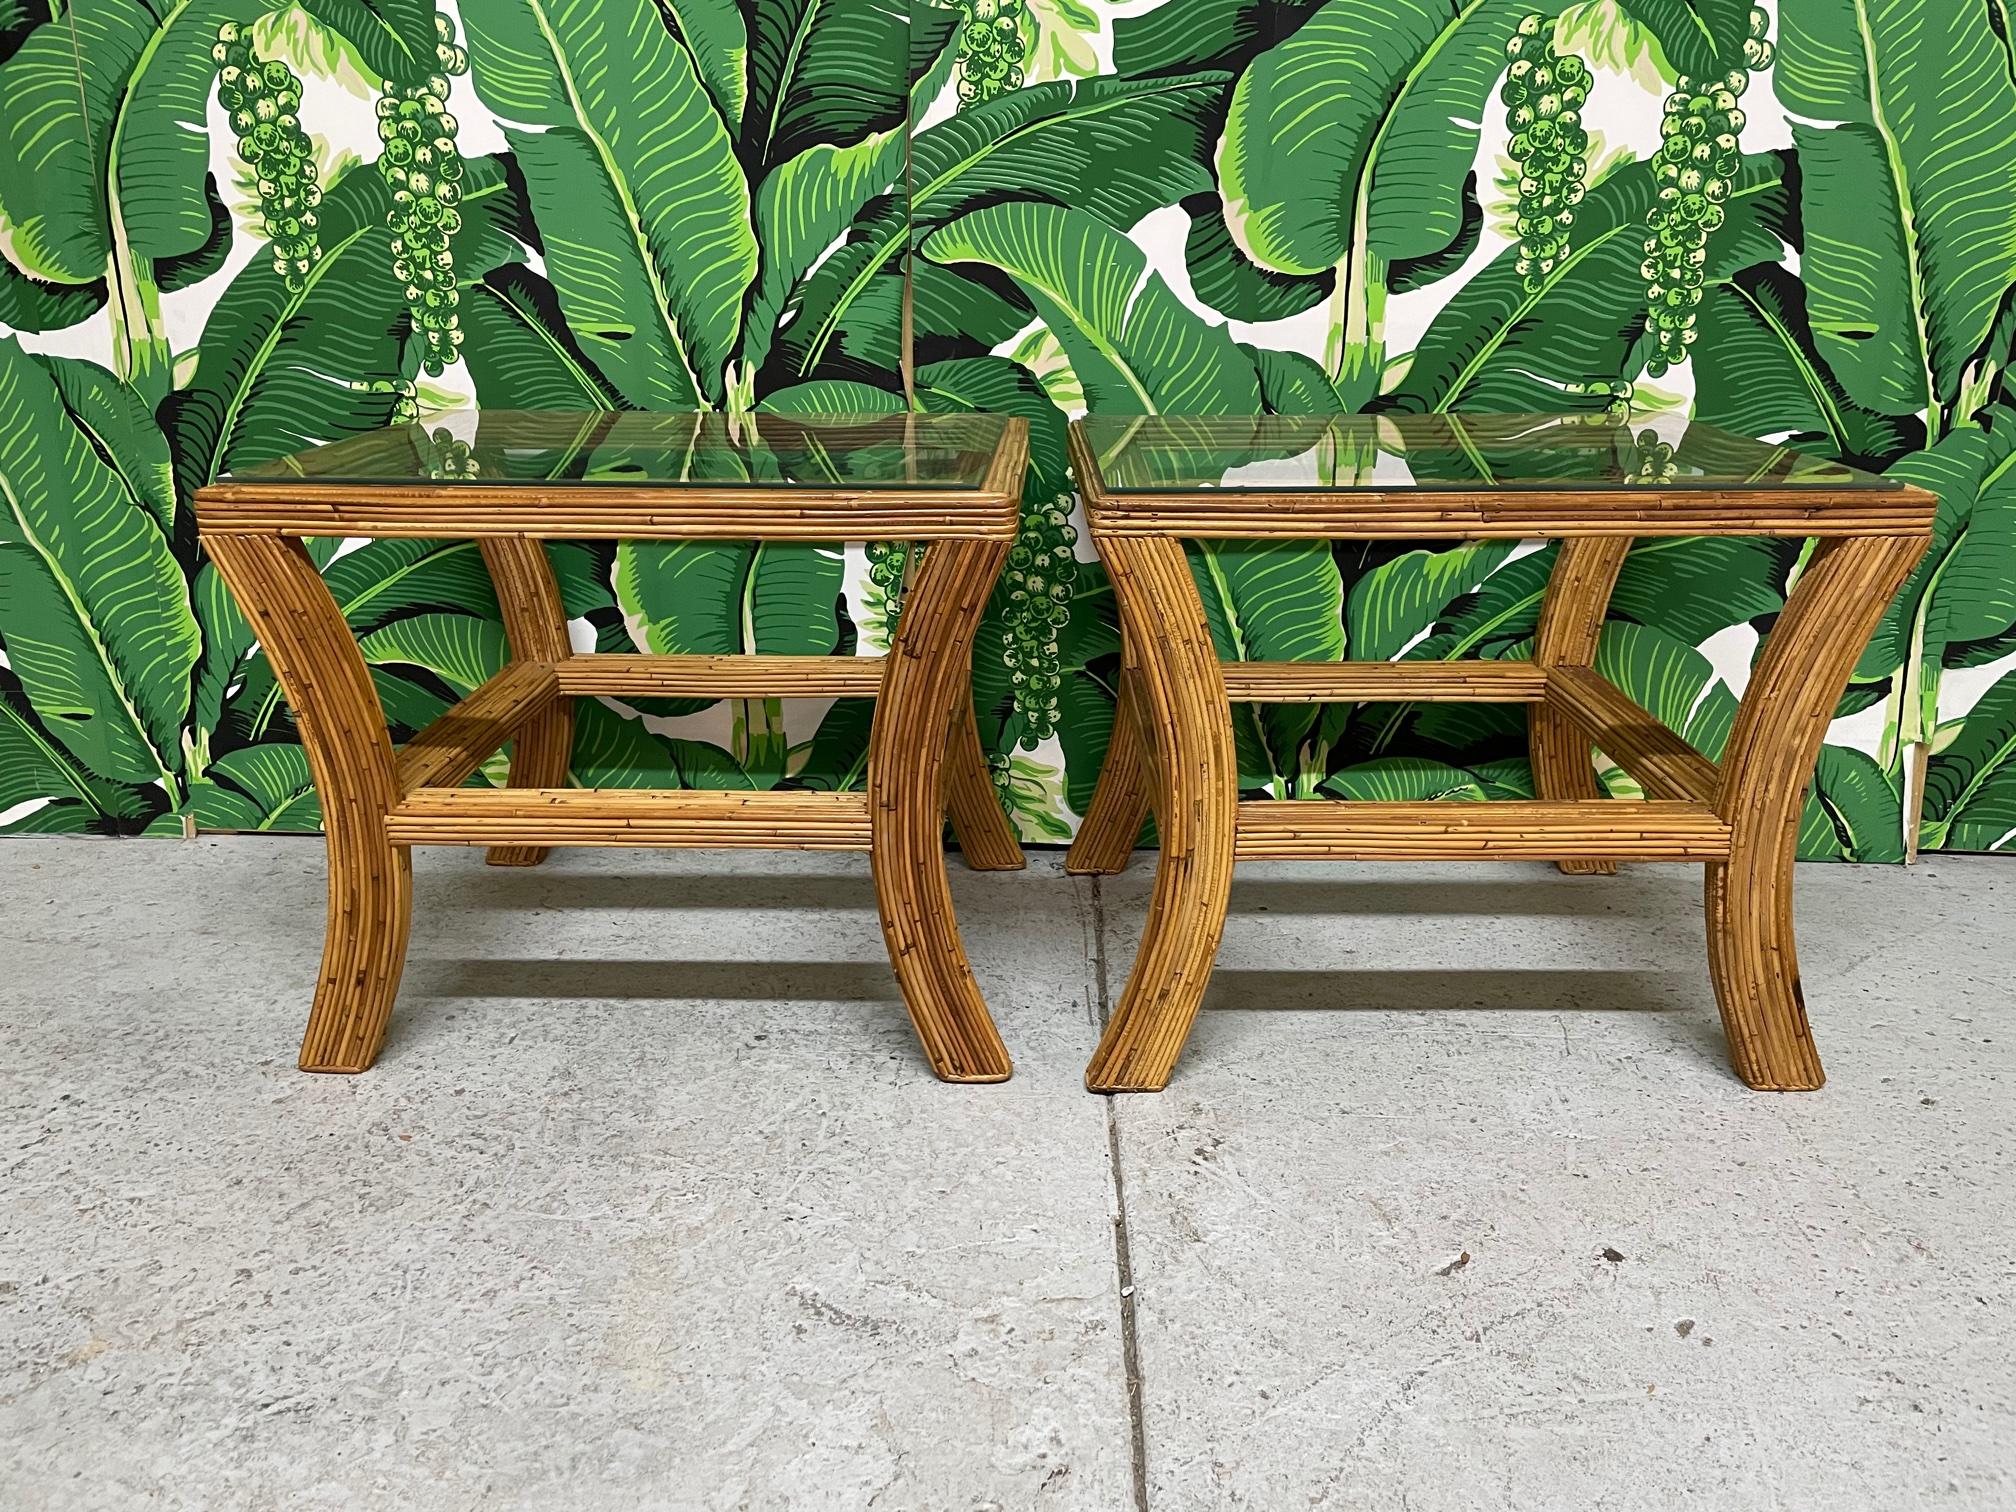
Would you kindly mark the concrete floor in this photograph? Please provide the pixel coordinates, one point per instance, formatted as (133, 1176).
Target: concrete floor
(651, 1202)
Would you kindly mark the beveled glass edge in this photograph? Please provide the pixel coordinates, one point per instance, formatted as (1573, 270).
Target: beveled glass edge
(986, 454)
(1840, 475)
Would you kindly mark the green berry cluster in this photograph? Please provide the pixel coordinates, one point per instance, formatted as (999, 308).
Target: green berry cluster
(424, 169)
(990, 64)
(1655, 462)
(263, 100)
(1696, 168)
(1039, 574)
(1002, 770)
(886, 566)
(1615, 394)
(405, 401)
(446, 457)
(990, 50)
(1543, 93)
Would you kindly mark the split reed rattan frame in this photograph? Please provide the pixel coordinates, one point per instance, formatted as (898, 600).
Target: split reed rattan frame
(924, 756)
(1172, 748)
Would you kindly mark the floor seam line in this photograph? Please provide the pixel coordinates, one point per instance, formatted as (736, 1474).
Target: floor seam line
(1123, 1252)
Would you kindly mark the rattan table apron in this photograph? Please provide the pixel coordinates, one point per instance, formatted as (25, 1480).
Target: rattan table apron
(377, 803)
(1172, 748)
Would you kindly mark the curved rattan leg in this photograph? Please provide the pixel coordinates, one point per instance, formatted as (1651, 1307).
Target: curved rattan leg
(534, 618)
(1122, 798)
(1571, 619)
(343, 729)
(925, 680)
(1766, 767)
(1181, 694)
(986, 837)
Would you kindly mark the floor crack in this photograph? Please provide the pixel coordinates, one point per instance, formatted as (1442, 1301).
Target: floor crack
(1123, 1255)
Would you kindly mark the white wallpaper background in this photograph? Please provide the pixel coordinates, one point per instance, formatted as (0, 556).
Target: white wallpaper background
(1063, 40)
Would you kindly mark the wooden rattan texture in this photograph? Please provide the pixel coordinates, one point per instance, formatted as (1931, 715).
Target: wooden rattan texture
(1740, 817)
(925, 753)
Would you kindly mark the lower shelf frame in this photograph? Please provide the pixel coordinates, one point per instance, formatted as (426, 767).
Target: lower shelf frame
(1614, 829)
(670, 817)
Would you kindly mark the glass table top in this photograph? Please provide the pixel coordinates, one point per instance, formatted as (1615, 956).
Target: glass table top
(659, 450)
(1164, 454)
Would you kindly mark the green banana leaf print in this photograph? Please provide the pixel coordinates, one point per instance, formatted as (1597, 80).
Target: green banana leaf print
(1346, 149)
(99, 633)
(1908, 121)
(651, 243)
(231, 230)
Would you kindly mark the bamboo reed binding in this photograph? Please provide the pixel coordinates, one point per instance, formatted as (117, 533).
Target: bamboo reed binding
(1742, 819)
(1450, 830)
(1123, 795)
(1382, 681)
(638, 675)
(1510, 515)
(987, 841)
(375, 812)
(642, 520)
(927, 683)
(1195, 771)
(1767, 764)
(343, 731)
(532, 510)
(528, 594)
(787, 820)
(457, 743)
(1571, 621)
(1663, 763)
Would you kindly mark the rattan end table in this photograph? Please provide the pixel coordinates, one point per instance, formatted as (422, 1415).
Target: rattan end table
(953, 481)
(1151, 484)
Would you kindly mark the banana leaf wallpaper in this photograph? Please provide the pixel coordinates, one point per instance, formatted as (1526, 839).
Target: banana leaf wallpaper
(230, 229)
